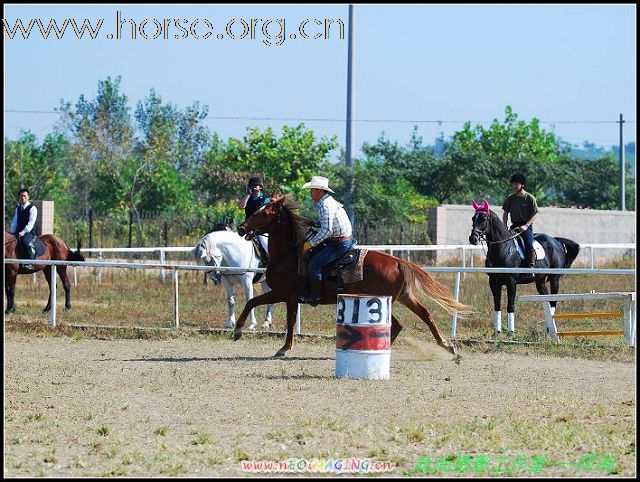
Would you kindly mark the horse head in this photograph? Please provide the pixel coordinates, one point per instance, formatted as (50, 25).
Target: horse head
(263, 220)
(480, 221)
(206, 253)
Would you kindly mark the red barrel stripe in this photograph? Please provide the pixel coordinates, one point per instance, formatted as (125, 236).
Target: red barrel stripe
(354, 337)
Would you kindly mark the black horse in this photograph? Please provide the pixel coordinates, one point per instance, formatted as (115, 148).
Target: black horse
(502, 253)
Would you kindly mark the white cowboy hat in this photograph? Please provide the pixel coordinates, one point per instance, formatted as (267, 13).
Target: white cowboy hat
(318, 182)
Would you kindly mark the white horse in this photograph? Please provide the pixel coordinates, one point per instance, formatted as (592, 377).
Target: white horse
(228, 249)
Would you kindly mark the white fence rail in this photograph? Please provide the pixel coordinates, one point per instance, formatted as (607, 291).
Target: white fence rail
(588, 250)
(176, 267)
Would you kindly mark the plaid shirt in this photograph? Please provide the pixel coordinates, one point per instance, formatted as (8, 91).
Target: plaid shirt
(334, 219)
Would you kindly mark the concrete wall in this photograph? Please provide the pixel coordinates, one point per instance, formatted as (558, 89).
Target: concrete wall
(44, 223)
(451, 224)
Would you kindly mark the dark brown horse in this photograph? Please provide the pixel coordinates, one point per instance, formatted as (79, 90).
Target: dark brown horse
(384, 275)
(55, 249)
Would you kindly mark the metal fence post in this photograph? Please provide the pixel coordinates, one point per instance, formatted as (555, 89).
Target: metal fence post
(75, 276)
(99, 272)
(176, 315)
(454, 321)
(53, 296)
(163, 273)
(298, 319)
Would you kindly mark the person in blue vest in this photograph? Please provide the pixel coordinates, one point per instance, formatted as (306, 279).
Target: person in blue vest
(23, 225)
(254, 200)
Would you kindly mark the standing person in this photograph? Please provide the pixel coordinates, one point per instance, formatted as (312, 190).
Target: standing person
(254, 200)
(23, 225)
(524, 210)
(335, 231)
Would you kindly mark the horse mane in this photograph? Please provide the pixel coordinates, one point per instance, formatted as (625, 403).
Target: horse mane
(300, 224)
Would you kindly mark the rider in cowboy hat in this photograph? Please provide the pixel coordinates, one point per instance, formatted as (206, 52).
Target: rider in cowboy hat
(334, 234)
(524, 210)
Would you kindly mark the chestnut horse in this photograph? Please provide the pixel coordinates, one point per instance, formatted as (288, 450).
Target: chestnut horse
(55, 249)
(383, 274)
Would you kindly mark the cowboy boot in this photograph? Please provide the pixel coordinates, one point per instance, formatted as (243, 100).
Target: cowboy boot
(531, 258)
(315, 295)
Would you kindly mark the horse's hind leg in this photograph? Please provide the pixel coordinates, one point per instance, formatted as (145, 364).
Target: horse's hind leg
(425, 316)
(62, 273)
(10, 289)
(396, 328)
(554, 283)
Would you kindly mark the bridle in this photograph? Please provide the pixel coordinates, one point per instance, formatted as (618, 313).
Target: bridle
(279, 220)
(482, 236)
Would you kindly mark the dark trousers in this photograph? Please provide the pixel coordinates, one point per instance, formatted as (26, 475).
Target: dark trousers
(25, 242)
(331, 252)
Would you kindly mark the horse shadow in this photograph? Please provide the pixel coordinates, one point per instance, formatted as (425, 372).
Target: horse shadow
(221, 359)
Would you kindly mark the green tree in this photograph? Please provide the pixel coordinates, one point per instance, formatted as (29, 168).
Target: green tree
(38, 168)
(485, 159)
(286, 162)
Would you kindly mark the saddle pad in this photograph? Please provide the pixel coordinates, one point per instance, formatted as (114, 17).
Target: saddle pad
(536, 246)
(352, 273)
(39, 245)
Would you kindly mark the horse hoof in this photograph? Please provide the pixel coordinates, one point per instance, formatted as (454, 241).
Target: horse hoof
(452, 348)
(229, 324)
(266, 325)
(253, 327)
(46, 310)
(280, 354)
(237, 335)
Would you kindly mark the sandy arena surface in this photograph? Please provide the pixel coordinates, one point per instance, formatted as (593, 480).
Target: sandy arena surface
(200, 406)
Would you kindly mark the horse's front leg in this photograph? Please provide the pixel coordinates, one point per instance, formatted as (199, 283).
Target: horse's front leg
(248, 291)
(292, 311)
(10, 289)
(511, 304)
(263, 299)
(496, 291)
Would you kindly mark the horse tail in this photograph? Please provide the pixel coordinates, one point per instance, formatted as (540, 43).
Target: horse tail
(75, 256)
(419, 281)
(571, 249)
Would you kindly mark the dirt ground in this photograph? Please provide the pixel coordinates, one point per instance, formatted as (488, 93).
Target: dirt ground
(202, 405)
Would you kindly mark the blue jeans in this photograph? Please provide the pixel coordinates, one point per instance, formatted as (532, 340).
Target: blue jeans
(527, 238)
(331, 252)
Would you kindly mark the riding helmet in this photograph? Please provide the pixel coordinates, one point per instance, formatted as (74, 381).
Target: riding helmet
(519, 178)
(255, 181)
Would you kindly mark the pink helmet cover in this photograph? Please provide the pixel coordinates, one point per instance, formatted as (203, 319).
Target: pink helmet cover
(484, 208)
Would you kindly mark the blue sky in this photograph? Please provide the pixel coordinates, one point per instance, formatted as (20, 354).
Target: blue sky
(571, 63)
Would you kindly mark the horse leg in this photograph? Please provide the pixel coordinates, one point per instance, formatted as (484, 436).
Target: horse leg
(264, 299)
(496, 291)
(554, 283)
(231, 302)
(292, 311)
(248, 291)
(511, 301)
(268, 315)
(10, 289)
(62, 274)
(47, 276)
(396, 328)
(415, 306)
